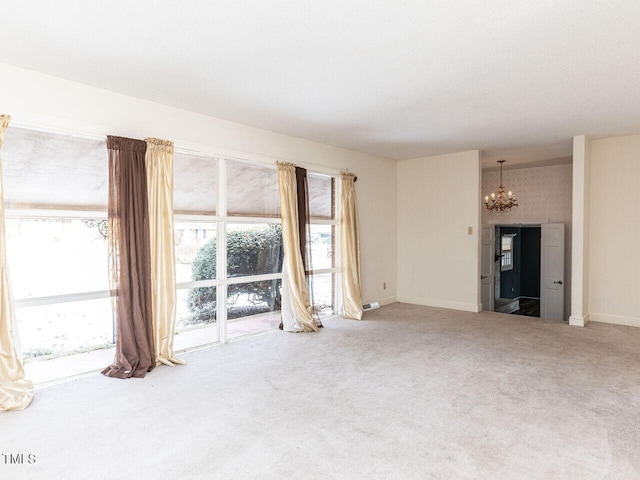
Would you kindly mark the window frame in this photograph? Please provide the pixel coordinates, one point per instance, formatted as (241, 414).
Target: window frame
(223, 220)
(220, 221)
(506, 254)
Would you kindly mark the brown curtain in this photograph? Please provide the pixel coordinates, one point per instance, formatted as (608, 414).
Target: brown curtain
(304, 228)
(130, 259)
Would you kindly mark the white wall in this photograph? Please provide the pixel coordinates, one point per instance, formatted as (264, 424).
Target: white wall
(45, 102)
(438, 261)
(543, 193)
(614, 231)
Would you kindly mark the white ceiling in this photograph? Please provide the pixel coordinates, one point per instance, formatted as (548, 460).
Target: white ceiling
(398, 78)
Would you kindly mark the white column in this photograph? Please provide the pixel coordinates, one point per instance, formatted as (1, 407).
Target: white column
(580, 225)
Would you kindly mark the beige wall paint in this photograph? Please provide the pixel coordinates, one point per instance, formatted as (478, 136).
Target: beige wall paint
(614, 231)
(45, 102)
(543, 193)
(437, 258)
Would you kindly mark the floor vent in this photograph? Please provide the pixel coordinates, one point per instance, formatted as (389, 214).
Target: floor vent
(370, 306)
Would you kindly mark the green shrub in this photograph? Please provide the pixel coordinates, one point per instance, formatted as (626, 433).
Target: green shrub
(249, 252)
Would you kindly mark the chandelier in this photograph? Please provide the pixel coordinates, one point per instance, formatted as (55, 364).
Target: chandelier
(504, 202)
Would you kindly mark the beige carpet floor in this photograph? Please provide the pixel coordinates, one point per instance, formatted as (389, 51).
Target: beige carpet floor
(409, 393)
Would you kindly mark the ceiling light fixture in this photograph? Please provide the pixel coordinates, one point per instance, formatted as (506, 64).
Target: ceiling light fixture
(501, 204)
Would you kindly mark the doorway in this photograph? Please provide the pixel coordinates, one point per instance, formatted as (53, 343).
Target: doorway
(517, 263)
(551, 274)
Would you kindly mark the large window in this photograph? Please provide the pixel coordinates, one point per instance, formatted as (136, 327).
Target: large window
(237, 288)
(56, 199)
(227, 232)
(229, 258)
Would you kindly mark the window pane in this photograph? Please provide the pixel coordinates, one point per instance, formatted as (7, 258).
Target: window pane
(196, 306)
(195, 247)
(321, 196)
(48, 170)
(64, 328)
(195, 318)
(322, 246)
(54, 256)
(251, 298)
(324, 293)
(194, 184)
(252, 190)
(254, 249)
(252, 307)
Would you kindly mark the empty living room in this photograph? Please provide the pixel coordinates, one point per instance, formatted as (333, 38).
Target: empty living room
(319, 240)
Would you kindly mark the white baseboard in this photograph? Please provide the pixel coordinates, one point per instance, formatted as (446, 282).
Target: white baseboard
(615, 319)
(467, 307)
(388, 300)
(576, 321)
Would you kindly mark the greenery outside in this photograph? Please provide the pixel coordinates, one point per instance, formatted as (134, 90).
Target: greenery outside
(254, 251)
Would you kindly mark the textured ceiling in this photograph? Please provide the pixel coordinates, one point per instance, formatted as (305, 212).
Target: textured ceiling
(403, 79)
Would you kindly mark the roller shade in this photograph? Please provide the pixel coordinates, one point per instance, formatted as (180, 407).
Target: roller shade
(54, 171)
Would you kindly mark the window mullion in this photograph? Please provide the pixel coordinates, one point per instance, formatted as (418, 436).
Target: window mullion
(221, 253)
(197, 284)
(338, 247)
(239, 219)
(64, 298)
(253, 278)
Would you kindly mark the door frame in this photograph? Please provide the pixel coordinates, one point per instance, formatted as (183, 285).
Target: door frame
(513, 222)
(487, 282)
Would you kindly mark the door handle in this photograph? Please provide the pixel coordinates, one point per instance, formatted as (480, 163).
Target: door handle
(559, 282)
(482, 277)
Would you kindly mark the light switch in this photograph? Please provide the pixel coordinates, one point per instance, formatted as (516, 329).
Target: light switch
(470, 230)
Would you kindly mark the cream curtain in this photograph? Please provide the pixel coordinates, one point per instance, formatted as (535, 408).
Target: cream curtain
(350, 243)
(296, 304)
(16, 392)
(159, 163)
